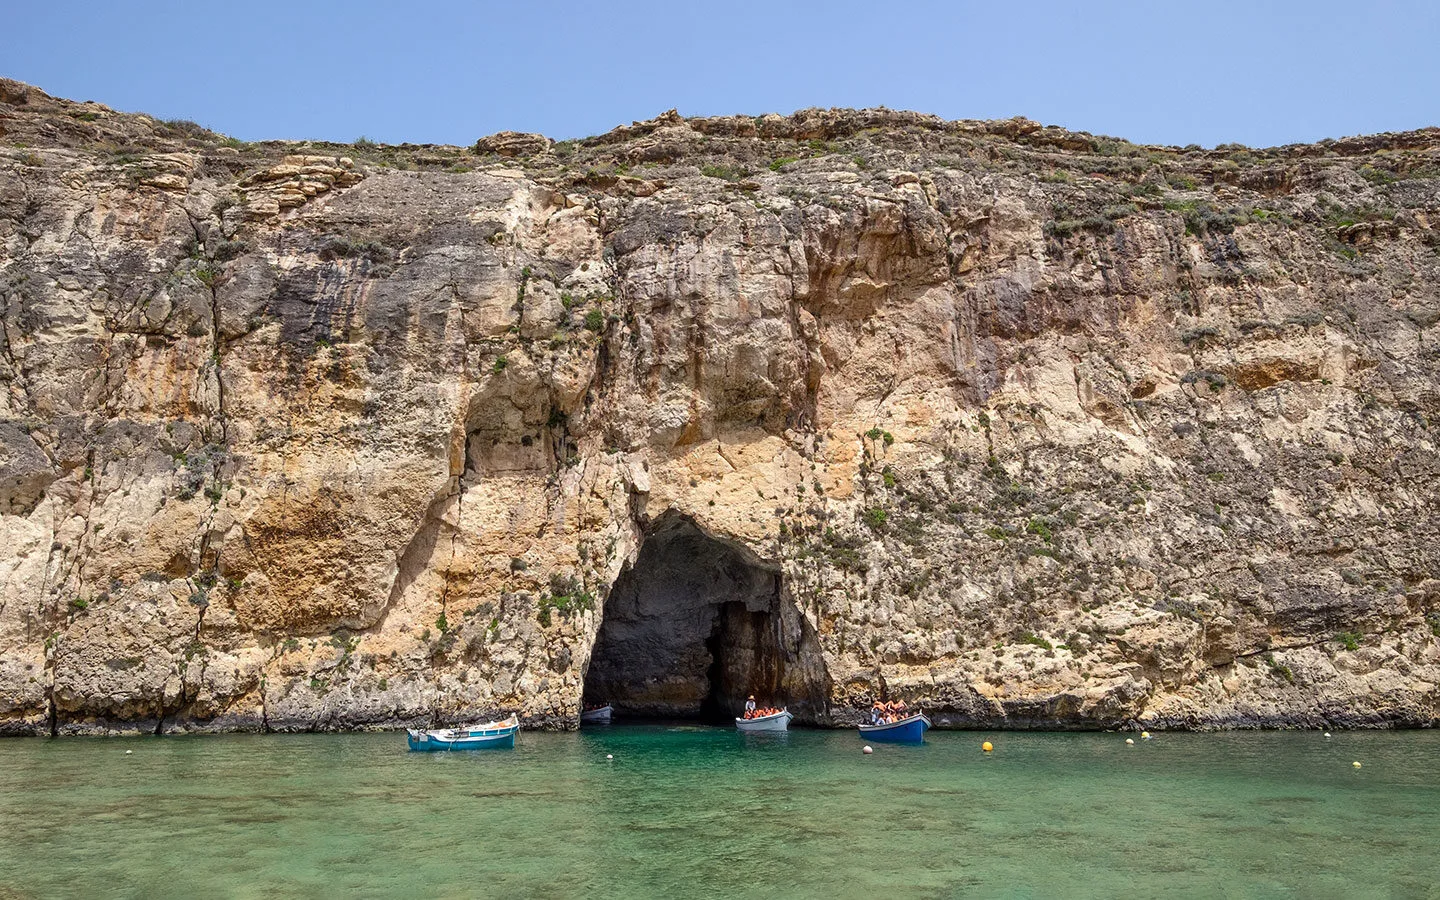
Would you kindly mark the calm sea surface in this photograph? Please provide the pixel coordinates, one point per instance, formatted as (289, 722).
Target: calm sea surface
(704, 812)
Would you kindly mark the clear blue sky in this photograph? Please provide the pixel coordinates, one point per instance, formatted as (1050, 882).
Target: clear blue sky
(1257, 72)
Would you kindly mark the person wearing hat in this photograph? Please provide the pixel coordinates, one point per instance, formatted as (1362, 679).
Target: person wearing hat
(750, 707)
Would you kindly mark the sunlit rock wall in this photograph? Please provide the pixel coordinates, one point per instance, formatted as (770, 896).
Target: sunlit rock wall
(1038, 428)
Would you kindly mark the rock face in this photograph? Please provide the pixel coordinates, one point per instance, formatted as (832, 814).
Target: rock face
(1028, 427)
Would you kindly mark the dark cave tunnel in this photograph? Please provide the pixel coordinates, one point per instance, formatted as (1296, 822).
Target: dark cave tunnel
(696, 624)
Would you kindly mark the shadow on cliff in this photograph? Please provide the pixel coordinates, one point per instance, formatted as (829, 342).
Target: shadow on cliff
(695, 625)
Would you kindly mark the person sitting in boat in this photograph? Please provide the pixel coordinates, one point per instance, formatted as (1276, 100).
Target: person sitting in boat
(750, 707)
(877, 713)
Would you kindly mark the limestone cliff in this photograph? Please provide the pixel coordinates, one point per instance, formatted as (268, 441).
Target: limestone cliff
(1031, 427)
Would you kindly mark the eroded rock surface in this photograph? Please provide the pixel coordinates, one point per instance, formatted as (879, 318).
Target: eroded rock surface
(1026, 426)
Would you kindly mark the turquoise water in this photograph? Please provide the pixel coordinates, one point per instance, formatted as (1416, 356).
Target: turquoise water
(704, 812)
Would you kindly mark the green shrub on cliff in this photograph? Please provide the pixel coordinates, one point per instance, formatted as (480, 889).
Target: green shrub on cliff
(844, 552)
(1203, 220)
(1278, 668)
(726, 173)
(567, 596)
(1041, 529)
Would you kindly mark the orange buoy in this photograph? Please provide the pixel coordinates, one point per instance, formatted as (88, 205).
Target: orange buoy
(987, 746)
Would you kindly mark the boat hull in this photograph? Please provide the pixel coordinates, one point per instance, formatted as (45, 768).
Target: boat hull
(778, 722)
(495, 736)
(909, 730)
(599, 716)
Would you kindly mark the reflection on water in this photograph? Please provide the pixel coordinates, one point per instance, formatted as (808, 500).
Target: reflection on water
(687, 811)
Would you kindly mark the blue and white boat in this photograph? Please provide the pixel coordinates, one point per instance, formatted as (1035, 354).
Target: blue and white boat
(490, 736)
(909, 730)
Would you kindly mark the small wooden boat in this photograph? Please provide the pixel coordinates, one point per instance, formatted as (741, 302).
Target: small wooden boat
(599, 716)
(779, 721)
(491, 735)
(910, 729)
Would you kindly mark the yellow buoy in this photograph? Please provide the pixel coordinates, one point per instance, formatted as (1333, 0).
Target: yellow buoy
(1145, 735)
(1356, 765)
(987, 746)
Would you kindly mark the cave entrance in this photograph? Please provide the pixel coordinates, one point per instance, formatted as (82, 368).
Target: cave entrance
(695, 625)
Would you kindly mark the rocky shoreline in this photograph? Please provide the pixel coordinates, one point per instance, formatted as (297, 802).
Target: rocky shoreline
(1030, 427)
